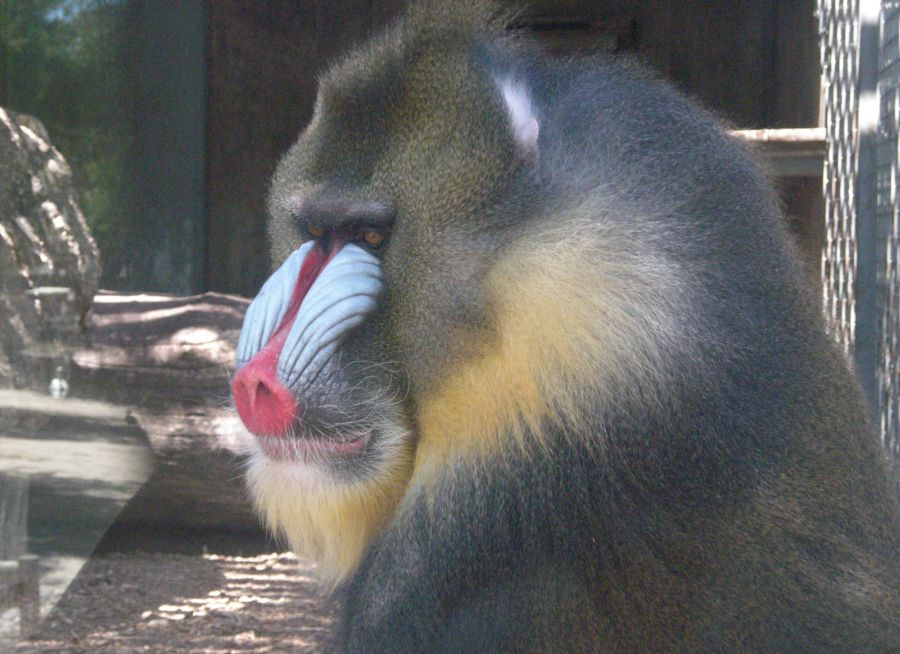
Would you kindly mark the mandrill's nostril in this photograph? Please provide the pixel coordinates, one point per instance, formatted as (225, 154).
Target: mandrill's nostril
(266, 406)
(262, 394)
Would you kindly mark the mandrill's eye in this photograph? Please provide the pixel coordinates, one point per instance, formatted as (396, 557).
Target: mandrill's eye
(372, 238)
(315, 231)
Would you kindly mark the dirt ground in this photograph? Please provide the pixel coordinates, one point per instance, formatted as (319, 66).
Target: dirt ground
(172, 603)
(184, 566)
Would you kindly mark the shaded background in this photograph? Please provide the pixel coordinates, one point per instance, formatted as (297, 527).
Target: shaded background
(174, 114)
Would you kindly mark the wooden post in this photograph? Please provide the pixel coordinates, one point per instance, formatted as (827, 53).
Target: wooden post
(19, 576)
(9, 580)
(29, 595)
(13, 516)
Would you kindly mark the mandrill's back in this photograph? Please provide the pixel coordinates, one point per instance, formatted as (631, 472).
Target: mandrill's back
(538, 370)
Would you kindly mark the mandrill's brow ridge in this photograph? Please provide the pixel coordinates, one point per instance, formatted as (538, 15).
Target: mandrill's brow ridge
(334, 213)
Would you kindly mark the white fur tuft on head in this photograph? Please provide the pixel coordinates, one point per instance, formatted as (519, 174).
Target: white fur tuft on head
(523, 119)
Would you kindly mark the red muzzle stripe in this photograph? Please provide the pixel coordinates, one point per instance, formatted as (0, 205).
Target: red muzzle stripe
(266, 406)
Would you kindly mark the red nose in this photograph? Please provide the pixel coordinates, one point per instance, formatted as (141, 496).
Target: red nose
(266, 405)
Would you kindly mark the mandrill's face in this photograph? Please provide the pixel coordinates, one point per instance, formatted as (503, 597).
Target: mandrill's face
(331, 448)
(380, 266)
(292, 389)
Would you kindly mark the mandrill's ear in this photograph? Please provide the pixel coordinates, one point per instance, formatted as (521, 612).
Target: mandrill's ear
(523, 120)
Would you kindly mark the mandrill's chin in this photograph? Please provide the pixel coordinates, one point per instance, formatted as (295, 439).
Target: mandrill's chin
(324, 513)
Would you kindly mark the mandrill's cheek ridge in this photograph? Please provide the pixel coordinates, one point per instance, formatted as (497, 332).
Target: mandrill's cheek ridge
(270, 306)
(342, 296)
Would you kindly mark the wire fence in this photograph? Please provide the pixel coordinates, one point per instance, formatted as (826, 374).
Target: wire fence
(860, 48)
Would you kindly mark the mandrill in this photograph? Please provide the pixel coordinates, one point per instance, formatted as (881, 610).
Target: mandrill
(537, 370)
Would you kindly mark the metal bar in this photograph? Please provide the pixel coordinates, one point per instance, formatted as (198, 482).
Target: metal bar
(788, 152)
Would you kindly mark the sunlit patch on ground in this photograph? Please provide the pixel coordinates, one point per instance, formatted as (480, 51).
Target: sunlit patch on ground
(174, 603)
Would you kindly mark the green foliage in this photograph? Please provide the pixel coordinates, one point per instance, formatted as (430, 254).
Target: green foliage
(66, 62)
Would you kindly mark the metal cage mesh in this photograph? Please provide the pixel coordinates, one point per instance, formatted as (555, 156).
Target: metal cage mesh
(844, 186)
(839, 38)
(887, 216)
